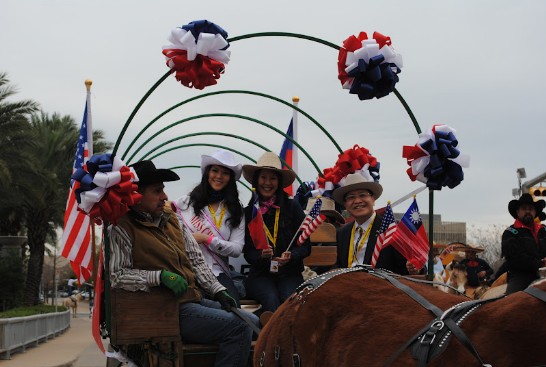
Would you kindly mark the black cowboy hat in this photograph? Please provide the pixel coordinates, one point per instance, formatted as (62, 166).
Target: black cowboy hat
(514, 205)
(148, 174)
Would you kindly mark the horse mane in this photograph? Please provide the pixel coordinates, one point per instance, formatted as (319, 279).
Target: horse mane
(360, 319)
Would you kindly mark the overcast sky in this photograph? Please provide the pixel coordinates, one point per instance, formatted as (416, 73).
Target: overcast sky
(476, 66)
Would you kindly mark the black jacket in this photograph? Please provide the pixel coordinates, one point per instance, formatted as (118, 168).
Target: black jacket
(290, 218)
(389, 258)
(523, 256)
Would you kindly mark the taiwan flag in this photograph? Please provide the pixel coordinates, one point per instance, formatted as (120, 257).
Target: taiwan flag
(410, 238)
(286, 154)
(256, 225)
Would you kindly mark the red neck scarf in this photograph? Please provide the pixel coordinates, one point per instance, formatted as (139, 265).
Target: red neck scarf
(533, 228)
(268, 204)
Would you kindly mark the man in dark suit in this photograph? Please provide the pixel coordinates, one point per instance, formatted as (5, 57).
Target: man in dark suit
(356, 241)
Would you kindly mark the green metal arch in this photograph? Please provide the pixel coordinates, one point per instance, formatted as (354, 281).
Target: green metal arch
(204, 145)
(193, 166)
(221, 134)
(173, 107)
(248, 36)
(234, 116)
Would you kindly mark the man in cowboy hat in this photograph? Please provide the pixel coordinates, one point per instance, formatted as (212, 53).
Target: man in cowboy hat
(149, 249)
(524, 243)
(478, 270)
(356, 241)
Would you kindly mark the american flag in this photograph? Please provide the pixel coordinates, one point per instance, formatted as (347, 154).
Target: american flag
(75, 242)
(386, 230)
(311, 221)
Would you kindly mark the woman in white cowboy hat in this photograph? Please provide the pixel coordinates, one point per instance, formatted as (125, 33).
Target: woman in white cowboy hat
(214, 215)
(274, 272)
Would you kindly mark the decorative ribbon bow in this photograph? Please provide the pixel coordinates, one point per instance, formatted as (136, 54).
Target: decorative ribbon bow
(197, 53)
(350, 161)
(435, 159)
(368, 67)
(105, 188)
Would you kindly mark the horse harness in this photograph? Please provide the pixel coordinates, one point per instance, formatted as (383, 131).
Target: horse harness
(428, 343)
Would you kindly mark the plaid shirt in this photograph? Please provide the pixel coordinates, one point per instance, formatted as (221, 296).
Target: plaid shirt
(122, 274)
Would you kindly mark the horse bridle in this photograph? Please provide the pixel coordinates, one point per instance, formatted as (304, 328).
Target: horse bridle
(426, 335)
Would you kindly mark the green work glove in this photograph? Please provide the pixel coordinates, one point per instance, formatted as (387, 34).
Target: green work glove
(174, 282)
(226, 301)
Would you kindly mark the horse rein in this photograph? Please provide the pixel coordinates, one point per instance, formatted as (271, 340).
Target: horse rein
(427, 334)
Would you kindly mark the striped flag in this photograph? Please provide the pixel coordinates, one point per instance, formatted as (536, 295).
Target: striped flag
(286, 154)
(75, 242)
(386, 230)
(311, 222)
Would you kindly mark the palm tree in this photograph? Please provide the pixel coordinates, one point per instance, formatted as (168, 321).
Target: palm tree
(15, 161)
(44, 203)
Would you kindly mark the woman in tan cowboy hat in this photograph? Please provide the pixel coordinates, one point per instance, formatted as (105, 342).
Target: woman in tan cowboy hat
(524, 243)
(274, 272)
(214, 215)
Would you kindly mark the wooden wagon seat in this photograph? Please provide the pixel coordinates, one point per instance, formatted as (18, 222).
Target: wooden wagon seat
(323, 255)
(152, 317)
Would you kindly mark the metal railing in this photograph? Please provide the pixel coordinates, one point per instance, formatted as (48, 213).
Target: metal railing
(18, 333)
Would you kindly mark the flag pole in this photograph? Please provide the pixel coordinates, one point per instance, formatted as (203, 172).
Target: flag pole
(88, 83)
(295, 234)
(430, 273)
(295, 101)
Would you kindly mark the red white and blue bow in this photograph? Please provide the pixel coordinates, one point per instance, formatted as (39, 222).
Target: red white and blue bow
(106, 188)
(435, 160)
(350, 161)
(368, 67)
(197, 53)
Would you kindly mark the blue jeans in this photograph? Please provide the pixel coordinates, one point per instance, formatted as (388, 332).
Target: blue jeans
(207, 323)
(272, 290)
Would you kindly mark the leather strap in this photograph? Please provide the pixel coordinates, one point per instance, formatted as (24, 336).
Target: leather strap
(455, 329)
(243, 317)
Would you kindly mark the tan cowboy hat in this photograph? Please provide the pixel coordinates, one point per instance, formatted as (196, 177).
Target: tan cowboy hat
(356, 181)
(473, 248)
(221, 158)
(328, 208)
(463, 247)
(270, 161)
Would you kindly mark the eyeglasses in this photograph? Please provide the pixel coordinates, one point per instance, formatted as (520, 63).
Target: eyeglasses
(362, 196)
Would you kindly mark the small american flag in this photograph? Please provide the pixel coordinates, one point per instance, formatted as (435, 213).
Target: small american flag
(75, 242)
(386, 230)
(311, 221)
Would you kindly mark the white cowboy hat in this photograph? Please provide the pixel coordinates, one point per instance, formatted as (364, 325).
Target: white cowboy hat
(271, 161)
(221, 158)
(356, 181)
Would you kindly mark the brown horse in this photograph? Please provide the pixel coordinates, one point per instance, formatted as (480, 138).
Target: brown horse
(358, 319)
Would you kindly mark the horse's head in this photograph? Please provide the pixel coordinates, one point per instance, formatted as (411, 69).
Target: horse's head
(458, 277)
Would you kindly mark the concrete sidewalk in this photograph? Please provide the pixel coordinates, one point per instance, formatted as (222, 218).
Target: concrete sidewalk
(74, 348)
